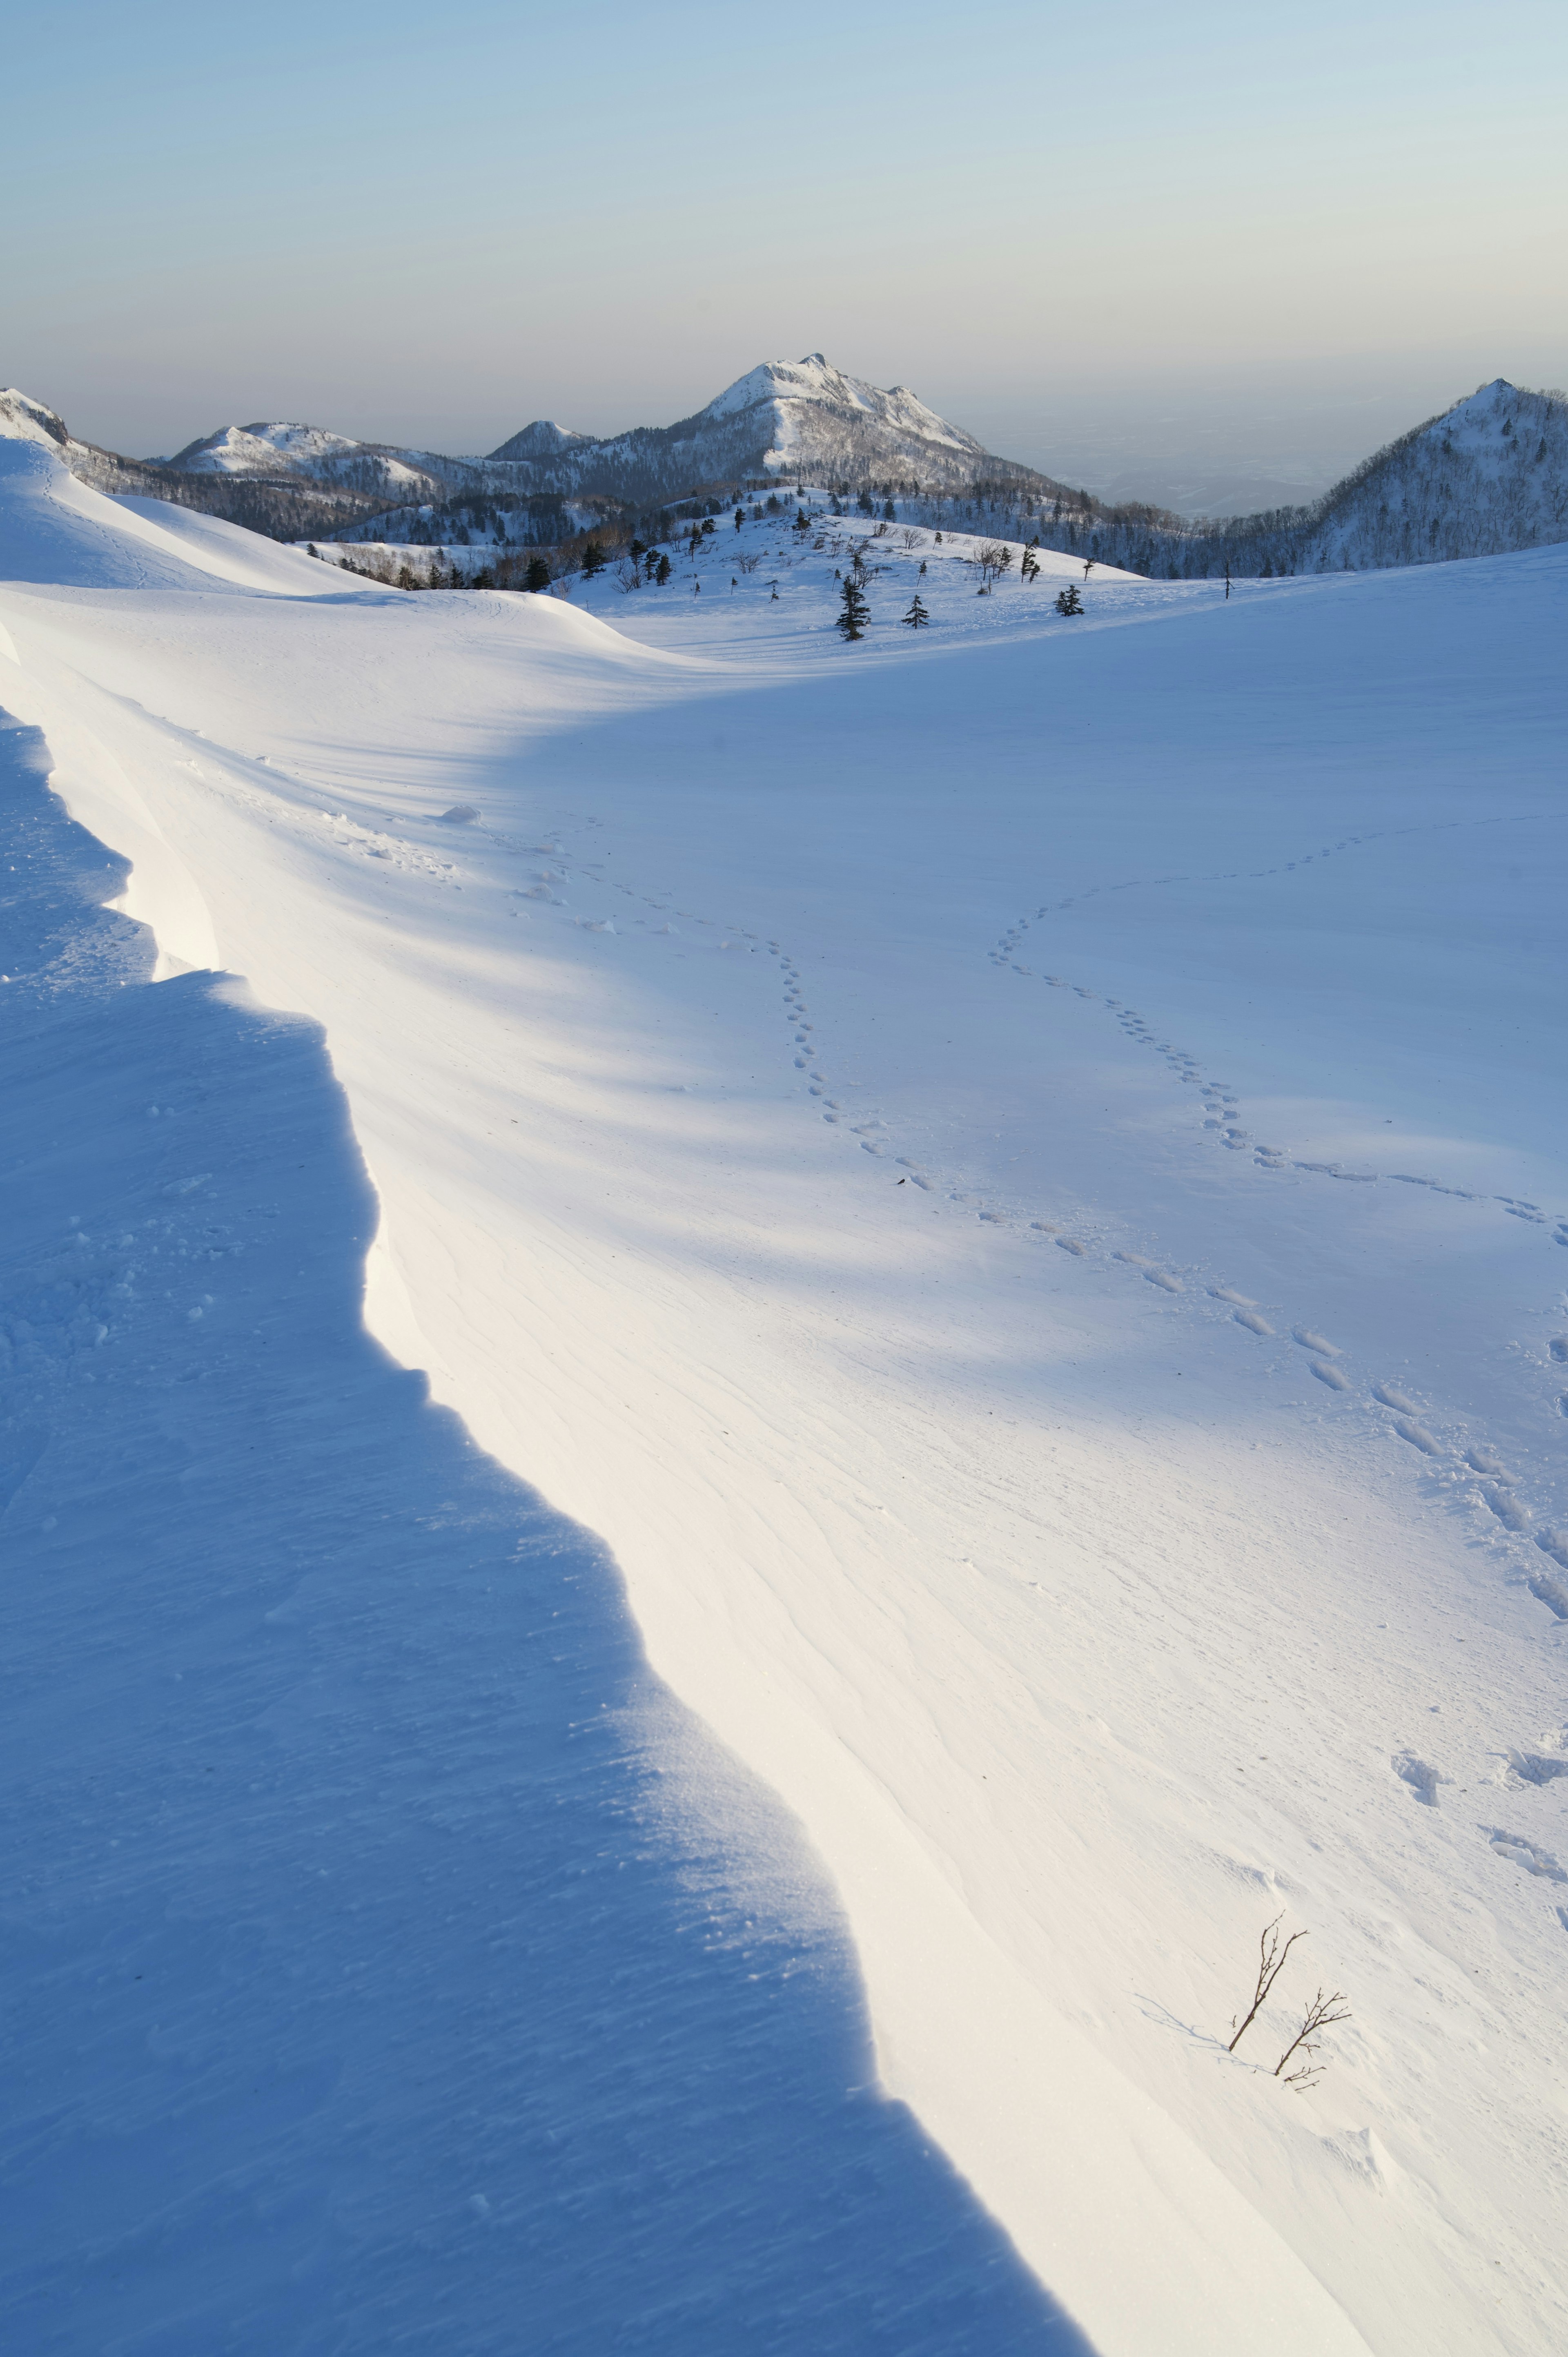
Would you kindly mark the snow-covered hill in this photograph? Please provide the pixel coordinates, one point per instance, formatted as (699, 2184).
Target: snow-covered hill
(310, 450)
(944, 1291)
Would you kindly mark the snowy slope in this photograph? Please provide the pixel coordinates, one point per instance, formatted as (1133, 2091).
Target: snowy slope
(890, 1139)
(765, 562)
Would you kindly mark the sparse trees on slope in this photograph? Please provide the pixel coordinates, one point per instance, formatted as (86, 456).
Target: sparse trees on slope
(993, 558)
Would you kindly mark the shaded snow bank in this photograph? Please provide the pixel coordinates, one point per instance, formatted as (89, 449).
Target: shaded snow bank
(375, 1976)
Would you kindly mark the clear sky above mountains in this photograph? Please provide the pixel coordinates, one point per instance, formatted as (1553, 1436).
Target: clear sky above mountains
(1127, 244)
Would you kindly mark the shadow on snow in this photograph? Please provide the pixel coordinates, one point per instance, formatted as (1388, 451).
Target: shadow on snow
(372, 1985)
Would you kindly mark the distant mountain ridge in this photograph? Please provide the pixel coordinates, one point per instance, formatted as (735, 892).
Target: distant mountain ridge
(783, 419)
(1486, 476)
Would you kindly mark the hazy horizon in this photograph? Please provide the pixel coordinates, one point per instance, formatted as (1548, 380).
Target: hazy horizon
(1196, 448)
(1164, 255)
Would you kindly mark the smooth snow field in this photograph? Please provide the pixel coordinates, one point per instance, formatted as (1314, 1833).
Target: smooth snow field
(748, 1387)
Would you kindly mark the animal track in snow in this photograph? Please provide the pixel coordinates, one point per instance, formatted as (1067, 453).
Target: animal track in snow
(1422, 1779)
(1222, 1117)
(1525, 1853)
(1507, 1508)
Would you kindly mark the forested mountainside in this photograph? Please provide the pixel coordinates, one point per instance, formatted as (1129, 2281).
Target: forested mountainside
(1486, 477)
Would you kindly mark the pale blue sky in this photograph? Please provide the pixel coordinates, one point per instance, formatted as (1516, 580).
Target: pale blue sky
(1079, 229)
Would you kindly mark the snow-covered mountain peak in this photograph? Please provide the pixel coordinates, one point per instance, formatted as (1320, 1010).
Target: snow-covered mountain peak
(796, 388)
(1488, 415)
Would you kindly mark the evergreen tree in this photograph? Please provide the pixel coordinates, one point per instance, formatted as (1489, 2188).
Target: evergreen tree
(917, 616)
(866, 504)
(888, 512)
(853, 611)
(1067, 600)
(593, 560)
(739, 518)
(662, 575)
(537, 577)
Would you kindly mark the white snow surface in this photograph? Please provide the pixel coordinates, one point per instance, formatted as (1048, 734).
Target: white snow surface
(892, 1139)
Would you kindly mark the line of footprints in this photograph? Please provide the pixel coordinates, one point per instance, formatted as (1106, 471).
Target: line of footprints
(1323, 1359)
(1222, 1117)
